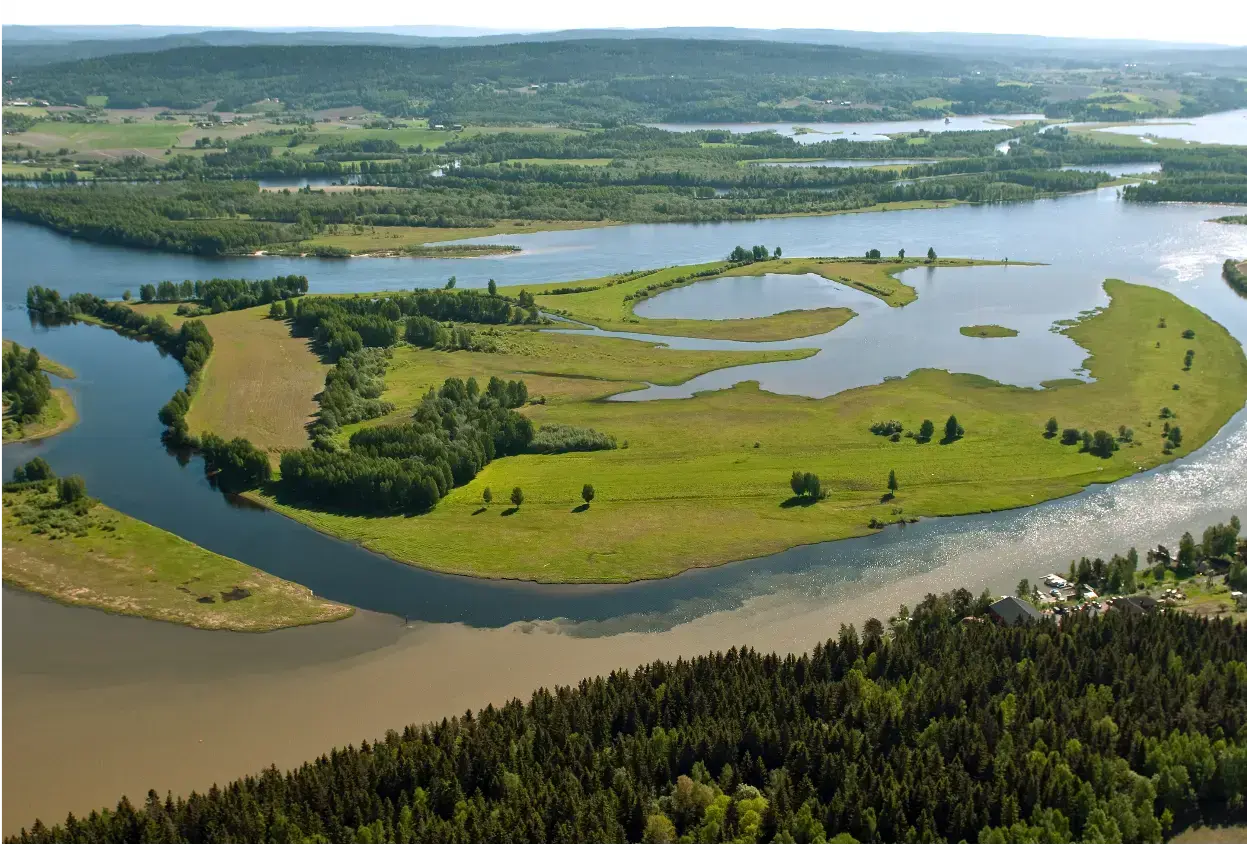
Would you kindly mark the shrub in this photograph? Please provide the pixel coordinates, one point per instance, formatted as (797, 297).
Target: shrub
(555, 438)
(887, 429)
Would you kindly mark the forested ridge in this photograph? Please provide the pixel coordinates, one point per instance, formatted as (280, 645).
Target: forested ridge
(1118, 728)
(603, 81)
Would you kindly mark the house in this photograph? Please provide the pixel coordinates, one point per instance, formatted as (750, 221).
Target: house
(1136, 604)
(1014, 611)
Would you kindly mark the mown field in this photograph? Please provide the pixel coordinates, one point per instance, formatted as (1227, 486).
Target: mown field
(126, 566)
(260, 382)
(705, 480)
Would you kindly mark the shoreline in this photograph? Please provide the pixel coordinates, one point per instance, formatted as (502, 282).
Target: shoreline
(106, 560)
(68, 419)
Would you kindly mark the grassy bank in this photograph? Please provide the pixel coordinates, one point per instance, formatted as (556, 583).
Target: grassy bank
(988, 331)
(110, 561)
(608, 302)
(705, 480)
(58, 415)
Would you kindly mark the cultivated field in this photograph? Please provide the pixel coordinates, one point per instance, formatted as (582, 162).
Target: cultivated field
(260, 382)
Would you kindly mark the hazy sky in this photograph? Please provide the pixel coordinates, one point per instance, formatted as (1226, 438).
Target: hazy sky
(1214, 21)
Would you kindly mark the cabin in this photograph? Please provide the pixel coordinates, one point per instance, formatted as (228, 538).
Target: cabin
(1014, 611)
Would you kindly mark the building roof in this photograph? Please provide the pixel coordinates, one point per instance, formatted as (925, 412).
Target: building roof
(1011, 611)
(1136, 604)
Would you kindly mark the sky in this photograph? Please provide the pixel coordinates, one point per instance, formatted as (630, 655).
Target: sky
(1208, 21)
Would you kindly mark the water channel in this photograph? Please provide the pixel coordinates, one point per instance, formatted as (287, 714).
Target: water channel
(157, 705)
(812, 133)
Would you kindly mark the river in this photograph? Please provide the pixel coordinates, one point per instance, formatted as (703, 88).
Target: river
(154, 705)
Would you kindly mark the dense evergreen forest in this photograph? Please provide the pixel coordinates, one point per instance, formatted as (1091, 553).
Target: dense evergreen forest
(607, 82)
(931, 728)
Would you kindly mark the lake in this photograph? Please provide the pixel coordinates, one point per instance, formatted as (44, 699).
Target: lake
(157, 705)
(1227, 127)
(868, 131)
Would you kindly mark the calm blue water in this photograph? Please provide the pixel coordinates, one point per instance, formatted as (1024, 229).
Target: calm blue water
(1117, 170)
(1227, 127)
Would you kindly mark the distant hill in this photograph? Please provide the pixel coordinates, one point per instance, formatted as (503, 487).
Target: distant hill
(33, 45)
(609, 80)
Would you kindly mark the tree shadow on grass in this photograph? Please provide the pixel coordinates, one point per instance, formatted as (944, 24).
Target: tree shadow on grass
(580, 508)
(508, 511)
(479, 511)
(797, 502)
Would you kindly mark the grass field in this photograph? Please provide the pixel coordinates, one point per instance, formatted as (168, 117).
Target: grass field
(932, 103)
(126, 566)
(87, 137)
(988, 331)
(259, 383)
(1123, 140)
(562, 368)
(705, 480)
(604, 304)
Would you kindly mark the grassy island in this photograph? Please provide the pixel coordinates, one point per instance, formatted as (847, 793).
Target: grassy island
(608, 302)
(703, 481)
(52, 410)
(988, 331)
(101, 558)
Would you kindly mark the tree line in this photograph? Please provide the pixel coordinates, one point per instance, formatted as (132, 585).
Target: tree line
(217, 295)
(932, 726)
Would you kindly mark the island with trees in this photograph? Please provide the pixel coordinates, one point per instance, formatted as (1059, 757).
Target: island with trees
(33, 408)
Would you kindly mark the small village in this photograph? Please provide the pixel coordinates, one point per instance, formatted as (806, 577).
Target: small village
(1202, 579)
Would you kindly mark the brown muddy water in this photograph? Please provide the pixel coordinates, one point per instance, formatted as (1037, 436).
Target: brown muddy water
(97, 705)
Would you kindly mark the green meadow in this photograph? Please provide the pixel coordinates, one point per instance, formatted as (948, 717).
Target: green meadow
(702, 481)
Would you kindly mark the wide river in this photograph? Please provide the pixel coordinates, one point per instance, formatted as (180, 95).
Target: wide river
(97, 705)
